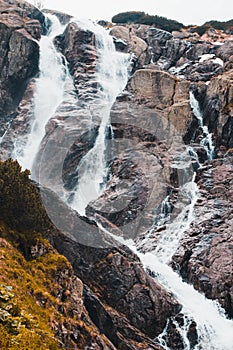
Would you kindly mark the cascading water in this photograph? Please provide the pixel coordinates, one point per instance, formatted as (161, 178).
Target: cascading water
(48, 94)
(175, 229)
(3, 135)
(215, 331)
(111, 75)
(206, 142)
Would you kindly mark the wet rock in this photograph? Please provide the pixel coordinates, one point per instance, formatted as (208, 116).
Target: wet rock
(78, 46)
(218, 110)
(148, 124)
(64, 18)
(126, 40)
(19, 126)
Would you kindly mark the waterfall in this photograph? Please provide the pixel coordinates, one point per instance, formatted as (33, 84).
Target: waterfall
(206, 141)
(169, 242)
(111, 75)
(48, 94)
(215, 331)
(5, 132)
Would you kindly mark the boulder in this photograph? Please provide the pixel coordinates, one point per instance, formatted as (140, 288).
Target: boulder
(225, 51)
(126, 40)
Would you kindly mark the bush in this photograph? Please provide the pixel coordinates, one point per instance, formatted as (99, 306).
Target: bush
(21, 207)
(225, 26)
(143, 18)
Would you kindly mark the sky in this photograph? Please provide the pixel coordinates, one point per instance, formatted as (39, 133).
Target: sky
(185, 11)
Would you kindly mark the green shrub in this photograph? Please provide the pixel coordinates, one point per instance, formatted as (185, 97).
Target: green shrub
(225, 26)
(21, 207)
(143, 18)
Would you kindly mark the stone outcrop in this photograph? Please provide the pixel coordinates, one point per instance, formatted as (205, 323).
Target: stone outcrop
(126, 40)
(218, 110)
(78, 46)
(21, 25)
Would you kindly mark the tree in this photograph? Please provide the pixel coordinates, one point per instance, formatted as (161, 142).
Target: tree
(21, 206)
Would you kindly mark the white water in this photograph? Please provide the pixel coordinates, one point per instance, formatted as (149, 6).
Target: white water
(2, 137)
(48, 95)
(169, 242)
(111, 74)
(206, 142)
(215, 332)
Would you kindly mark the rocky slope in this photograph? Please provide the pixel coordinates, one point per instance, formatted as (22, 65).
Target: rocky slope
(103, 298)
(42, 302)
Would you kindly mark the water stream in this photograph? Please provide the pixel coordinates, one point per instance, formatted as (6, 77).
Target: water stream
(111, 75)
(206, 142)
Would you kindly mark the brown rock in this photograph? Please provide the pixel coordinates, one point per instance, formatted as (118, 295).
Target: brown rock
(136, 45)
(153, 88)
(120, 282)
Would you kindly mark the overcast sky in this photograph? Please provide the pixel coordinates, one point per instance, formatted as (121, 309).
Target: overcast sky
(185, 11)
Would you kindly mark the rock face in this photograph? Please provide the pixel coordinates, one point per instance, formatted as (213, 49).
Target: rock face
(120, 282)
(21, 25)
(126, 40)
(217, 109)
(148, 122)
(181, 53)
(79, 48)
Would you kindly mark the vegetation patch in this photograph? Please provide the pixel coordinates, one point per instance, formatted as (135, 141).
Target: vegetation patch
(143, 18)
(21, 207)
